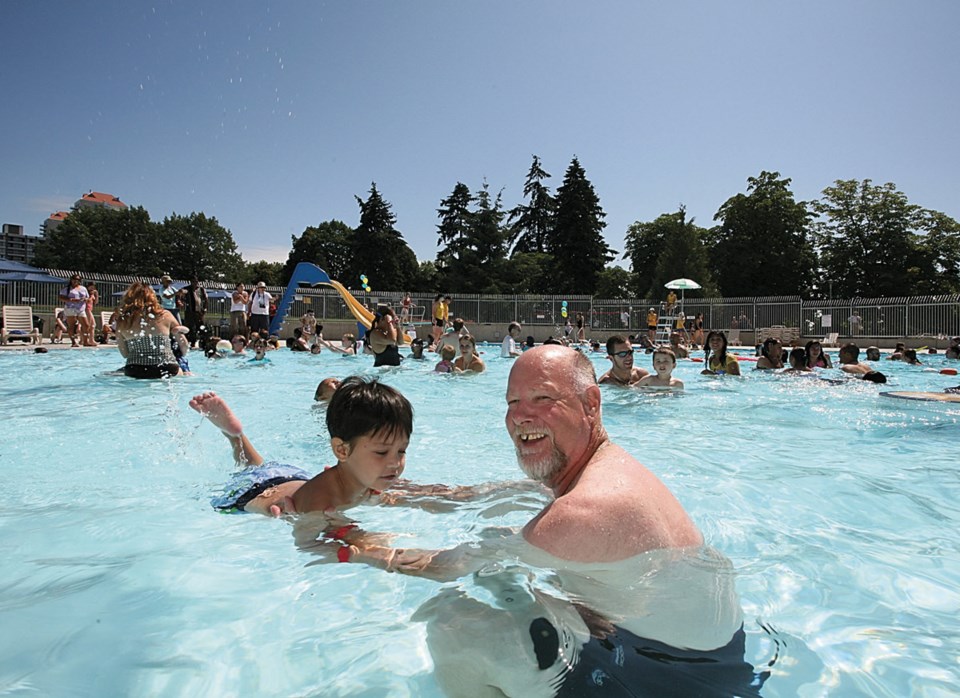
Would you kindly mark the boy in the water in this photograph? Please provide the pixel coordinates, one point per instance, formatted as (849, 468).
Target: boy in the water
(370, 426)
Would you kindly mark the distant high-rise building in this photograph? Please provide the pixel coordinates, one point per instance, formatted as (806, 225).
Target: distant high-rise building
(16, 246)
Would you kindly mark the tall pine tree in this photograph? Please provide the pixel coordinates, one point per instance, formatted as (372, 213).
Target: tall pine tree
(454, 227)
(576, 243)
(530, 224)
(379, 250)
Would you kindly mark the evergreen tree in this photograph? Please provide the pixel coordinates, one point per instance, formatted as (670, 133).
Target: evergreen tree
(379, 251)
(940, 251)
(454, 227)
(326, 245)
(479, 263)
(576, 243)
(530, 224)
(764, 245)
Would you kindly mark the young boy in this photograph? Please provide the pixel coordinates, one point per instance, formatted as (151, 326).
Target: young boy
(664, 361)
(370, 426)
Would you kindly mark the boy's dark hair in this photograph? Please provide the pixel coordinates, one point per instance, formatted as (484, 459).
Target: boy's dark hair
(798, 355)
(362, 407)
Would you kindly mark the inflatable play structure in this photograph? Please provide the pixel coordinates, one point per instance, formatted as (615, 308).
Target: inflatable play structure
(309, 274)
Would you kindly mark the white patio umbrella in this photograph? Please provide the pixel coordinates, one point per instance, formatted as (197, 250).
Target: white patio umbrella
(682, 285)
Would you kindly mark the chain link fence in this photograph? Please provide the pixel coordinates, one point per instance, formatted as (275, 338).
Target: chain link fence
(908, 316)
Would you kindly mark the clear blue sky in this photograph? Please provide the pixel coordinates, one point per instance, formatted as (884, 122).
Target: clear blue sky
(271, 116)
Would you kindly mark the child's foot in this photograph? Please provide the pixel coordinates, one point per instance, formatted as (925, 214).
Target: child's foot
(212, 406)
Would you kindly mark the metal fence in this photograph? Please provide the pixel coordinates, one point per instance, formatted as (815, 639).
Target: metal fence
(910, 316)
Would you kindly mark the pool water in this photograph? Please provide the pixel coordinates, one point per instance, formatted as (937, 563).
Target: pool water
(836, 507)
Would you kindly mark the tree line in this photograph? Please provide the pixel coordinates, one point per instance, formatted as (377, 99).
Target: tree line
(858, 240)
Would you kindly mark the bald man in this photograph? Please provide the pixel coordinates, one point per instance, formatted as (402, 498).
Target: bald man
(617, 537)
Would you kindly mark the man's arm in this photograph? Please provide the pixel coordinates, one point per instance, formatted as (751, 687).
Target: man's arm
(443, 498)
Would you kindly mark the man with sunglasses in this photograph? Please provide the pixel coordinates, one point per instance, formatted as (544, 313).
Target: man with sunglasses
(623, 372)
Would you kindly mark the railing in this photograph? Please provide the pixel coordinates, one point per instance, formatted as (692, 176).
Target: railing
(908, 316)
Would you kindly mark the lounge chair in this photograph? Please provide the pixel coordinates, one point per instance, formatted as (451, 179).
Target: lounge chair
(18, 324)
(831, 340)
(107, 331)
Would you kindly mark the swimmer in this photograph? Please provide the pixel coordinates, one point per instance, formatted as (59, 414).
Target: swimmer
(622, 372)
(850, 363)
(369, 425)
(953, 349)
(718, 361)
(326, 389)
(416, 349)
(873, 354)
(664, 361)
(798, 361)
(609, 515)
(447, 355)
(771, 354)
(348, 345)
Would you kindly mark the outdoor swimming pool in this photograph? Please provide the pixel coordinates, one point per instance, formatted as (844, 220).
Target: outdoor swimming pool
(836, 507)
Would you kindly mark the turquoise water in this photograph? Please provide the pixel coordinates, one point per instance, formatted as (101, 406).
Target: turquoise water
(836, 507)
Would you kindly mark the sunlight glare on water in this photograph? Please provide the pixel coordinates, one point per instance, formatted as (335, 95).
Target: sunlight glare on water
(836, 507)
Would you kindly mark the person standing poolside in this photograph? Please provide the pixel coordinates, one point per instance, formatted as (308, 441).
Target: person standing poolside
(652, 318)
(93, 297)
(698, 330)
(238, 311)
(616, 540)
(384, 338)
(74, 299)
(856, 323)
(623, 372)
(258, 308)
(718, 361)
(437, 313)
(168, 296)
(625, 319)
(406, 305)
(581, 330)
(144, 334)
(194, 299)
(509, 348)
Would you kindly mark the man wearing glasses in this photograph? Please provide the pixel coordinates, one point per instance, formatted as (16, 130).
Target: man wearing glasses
(623, 372)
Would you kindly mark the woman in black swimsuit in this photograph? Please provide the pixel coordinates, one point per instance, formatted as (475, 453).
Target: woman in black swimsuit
(383, 337)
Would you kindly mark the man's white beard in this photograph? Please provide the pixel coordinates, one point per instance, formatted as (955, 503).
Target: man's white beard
(543, 469)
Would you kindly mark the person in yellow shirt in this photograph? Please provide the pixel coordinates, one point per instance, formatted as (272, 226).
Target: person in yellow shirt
(652, 318)
(671, 301)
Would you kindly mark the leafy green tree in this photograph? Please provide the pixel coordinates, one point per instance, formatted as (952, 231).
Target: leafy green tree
(530, 224)
(764, 243)
(644, 244)
(108, 241)
(379, 251)
(271, 273)
(326, 245)
(614, 282)
(197, 244)
(454, 227)
(670, 247)
(576, 242)
(528, 272)
(684, 255)
(480, 261)
(869, 242)
(940, 249)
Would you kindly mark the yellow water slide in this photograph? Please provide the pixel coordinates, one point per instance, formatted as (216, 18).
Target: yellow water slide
(362, 314)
